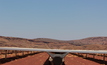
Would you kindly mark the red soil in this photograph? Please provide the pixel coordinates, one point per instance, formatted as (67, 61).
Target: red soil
(39, 59)
(74, 60)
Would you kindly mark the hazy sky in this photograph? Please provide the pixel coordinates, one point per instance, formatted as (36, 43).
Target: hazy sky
(57, 19)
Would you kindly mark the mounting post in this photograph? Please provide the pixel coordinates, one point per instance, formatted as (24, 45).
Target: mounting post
(57, 58)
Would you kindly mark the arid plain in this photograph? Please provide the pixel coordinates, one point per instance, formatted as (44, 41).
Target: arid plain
(91, 43)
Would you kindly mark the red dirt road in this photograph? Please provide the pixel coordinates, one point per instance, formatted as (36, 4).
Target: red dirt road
(39, 59)
(74, 60)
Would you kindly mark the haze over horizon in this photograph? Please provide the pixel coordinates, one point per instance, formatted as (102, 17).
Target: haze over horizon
(58, 19)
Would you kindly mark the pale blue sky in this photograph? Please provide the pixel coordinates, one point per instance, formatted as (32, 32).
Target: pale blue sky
(57, 19)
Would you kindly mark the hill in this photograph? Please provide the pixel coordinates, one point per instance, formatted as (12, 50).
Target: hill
(92, 43)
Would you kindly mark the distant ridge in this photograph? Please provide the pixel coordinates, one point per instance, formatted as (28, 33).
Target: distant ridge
(93, 43)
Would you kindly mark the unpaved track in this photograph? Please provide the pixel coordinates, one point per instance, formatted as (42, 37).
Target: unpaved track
(39, 59)
(74, 60)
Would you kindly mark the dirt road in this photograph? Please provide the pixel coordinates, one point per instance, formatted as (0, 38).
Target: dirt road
(39, 59)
